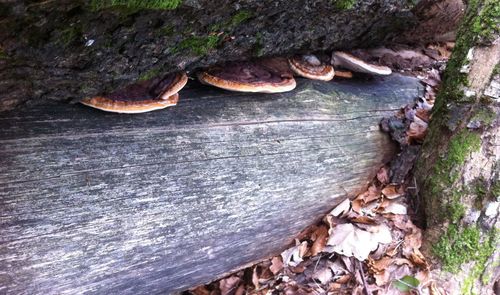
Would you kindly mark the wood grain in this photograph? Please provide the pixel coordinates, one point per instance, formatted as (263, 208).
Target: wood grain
(101, 203)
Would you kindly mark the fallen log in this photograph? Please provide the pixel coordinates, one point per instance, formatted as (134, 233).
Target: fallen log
(94, 202)
(72, 49)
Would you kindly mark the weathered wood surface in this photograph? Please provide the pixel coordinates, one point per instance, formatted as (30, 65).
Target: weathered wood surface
(92, 202)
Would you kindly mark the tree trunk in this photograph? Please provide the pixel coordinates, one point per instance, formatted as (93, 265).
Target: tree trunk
(101, 203)
(69, 49)
(458, 170)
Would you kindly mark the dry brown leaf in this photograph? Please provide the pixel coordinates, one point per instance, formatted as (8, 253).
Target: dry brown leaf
(323, 275)
(434, 290)
(357, 204)
(201, 290)
(349, 240)
(240, 290)
(392, 192)
(294, 256)
(341, 209)
(344, 279)
(276, 265)
(228, 285)
(394, 208)
(383, 175)
(423, 115)
(320, 238)
(412, 242)
(371, 194)
(416, 132)
(255, 278)
(418, 259)
(424, 276)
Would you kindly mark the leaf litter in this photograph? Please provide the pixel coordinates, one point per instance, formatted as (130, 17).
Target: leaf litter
(367, 245)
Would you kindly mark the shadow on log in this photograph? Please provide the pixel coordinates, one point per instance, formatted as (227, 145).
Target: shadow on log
(158, 202)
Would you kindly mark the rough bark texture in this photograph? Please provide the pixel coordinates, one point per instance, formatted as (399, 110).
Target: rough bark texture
(459, 168)
(64, 50)
(92, 202)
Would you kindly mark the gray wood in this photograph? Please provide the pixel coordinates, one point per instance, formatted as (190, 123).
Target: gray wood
(93, 202)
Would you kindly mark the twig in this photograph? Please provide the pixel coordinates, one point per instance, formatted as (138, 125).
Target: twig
(367, 292)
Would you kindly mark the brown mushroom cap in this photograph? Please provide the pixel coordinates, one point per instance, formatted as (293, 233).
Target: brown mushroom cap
(143, 96)
(309, 66)
(266, 75)
(130, 107)
(355, 64)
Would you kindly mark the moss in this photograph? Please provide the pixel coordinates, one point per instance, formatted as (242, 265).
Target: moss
(446, 172)
(455, 209)
(149, 74)
(258, 46)
(199, 45)
(240, 17)
(3, 55)
(487, 24)
(457, 247)
(473, 31)
(136, 5)
(235, 20)
(495, 189)
(344, 4)
(484, 115)
(69, 35)
(483, 251)
(167, 30)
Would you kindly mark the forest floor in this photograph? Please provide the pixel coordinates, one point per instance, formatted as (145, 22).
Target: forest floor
(369, 244)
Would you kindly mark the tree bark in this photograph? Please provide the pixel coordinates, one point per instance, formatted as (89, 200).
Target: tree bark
(64, 50)
(102, 203)
(458, 170)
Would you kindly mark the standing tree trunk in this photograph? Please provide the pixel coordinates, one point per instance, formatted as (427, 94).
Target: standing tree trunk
(459, 167)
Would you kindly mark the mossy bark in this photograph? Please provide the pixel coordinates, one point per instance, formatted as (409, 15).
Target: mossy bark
(70, 49)
(459, 168)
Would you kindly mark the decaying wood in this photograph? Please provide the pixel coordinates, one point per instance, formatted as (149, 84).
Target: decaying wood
(93, 202)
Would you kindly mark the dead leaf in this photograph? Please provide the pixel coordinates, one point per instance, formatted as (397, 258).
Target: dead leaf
(228, 285)
(276, 265)
(392, 192)
(418, 259)
(371, 194)
(342, 208)
(383, 175)
(349, 240)
(320, 238)
(293, 256)
(394, 208)
(201, 290)
(416, 132)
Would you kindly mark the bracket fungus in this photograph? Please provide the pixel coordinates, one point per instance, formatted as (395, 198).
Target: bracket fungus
(351, 62)
(141, 97)
(309, 66)
(269, 75)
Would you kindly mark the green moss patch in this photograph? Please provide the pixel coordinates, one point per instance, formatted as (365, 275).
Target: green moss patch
(484, 115)
(240, 17)
(483, 251)
(69, 35)
(199, 45)
(3, 55)
(456, 247)
(149, 74)
(136, 4)
(344, 4)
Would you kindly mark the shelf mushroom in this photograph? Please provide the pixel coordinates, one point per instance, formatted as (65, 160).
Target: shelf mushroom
(350, 62)
(141, 97)
(270, 75)
(309, 66)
